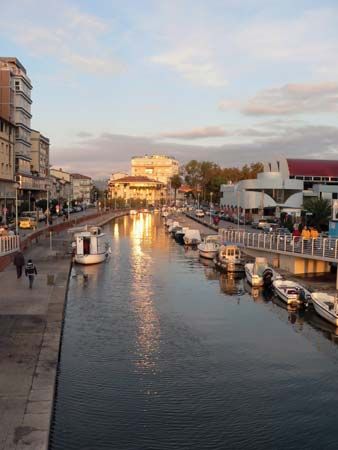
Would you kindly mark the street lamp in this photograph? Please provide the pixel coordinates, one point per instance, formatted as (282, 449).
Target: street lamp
(238, 193)
(211, 193)
(198, 200)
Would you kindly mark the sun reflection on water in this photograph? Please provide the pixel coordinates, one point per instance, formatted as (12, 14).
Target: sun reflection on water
(148, 332)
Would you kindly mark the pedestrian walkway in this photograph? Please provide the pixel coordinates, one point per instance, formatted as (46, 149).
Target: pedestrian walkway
(30, 328)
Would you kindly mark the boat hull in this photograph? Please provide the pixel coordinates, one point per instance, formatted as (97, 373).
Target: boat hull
(91, 259)
(288, 299)
(254, 280)
(229, 266)
(324, 313)
(208, 254)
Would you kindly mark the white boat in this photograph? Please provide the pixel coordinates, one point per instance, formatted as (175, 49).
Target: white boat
(326, 306)
(174, 224)
(179, 235)
(168, 222)
(91, 246)
(210, 246)
(192, 237)
(254, 271)
(132, 212)
(288, 291)
(229, 259)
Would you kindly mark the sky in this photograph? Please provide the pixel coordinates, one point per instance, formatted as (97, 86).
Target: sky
(230, 81)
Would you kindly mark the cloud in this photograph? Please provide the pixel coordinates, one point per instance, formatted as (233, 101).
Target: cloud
(65, 34)
(193, 64)
(195, 133)
(305, 98)
(267, 141)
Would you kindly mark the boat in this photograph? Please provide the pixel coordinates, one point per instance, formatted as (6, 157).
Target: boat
(229, 259)
(210, 246)
(90, 246)
(254, 271)
(132, 212)
(173, 225)
(326, 306)
(179, 235)
(192, 237)
(288, 291)
(168, 222)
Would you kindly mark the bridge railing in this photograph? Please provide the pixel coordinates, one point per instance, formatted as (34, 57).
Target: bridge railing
(324, 248)
(9, 244)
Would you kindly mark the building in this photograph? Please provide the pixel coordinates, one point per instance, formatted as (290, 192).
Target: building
(283, 187)
(7, 167)
(39, 154)
(157, 167)
(60, 186)
(137, 189)
(319, 176)
(82, 187)
(16, 90)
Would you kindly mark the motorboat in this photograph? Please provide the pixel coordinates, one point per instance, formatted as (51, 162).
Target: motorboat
(254, 271)
(210, 246)
(90, 245)
(173, 225)
(326, 306)
(179, 235)
(132, 212)
(164, 213)
(291, 292)
(229, 259)
(168, 222)
(192, 237)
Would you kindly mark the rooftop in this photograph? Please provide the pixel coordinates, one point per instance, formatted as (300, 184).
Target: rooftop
(313, 167)
(136, 179)
(79, 176)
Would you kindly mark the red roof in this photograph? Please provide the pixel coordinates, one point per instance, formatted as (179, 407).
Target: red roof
(137, 179)
(79, 176)
(313, 167)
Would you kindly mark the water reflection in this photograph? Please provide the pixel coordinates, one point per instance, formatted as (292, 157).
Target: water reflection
(142, 294)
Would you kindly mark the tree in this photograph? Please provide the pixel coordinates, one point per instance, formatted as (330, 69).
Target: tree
(176, 183)
(320, 210)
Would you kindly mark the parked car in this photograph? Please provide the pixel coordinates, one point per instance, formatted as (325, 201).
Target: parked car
(199, 213)
(28, 222)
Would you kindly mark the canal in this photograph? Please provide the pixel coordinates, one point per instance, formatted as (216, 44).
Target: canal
(161, 352)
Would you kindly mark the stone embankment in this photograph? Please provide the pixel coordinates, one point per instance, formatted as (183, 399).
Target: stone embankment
(30, 336)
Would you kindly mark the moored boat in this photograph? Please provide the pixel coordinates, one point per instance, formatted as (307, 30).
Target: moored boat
(132, 212)
(90, 245)
(229, 259)
(254, 271)
(179, 235)
(291, 292)
(192, 237)
(326, 306)
(210, 246)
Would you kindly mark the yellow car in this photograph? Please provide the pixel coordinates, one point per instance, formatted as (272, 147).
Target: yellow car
(27, 222)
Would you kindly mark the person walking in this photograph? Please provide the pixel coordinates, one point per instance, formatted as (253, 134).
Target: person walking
(19, 262)
(30, 271)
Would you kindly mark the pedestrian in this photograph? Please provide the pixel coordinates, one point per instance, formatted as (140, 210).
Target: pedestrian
(30, 271)
(314, 233)
(19, 262)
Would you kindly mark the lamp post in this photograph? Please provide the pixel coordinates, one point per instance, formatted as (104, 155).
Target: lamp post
(198, 200)
(211, 193)
(238, 193)
(16, 210)
(29, 200)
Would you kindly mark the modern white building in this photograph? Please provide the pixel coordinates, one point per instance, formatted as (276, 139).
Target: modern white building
(282, 187)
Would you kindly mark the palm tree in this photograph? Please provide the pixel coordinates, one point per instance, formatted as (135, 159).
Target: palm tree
(320, 210)
(176, 183)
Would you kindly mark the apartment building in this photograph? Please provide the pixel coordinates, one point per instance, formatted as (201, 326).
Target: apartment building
(7, 166)
(61, 185)
(157, 167)
(82, 186)
(39, 154)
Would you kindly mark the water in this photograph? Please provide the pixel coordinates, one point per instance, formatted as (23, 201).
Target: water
(161, 352)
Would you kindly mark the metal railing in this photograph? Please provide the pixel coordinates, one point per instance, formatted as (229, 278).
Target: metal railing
(320, 248)
(9, 244)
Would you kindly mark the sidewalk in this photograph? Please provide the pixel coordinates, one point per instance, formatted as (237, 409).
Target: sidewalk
(30, 328)
(30, 332)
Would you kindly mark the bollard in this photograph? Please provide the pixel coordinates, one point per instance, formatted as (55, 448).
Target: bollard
(50, 279)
